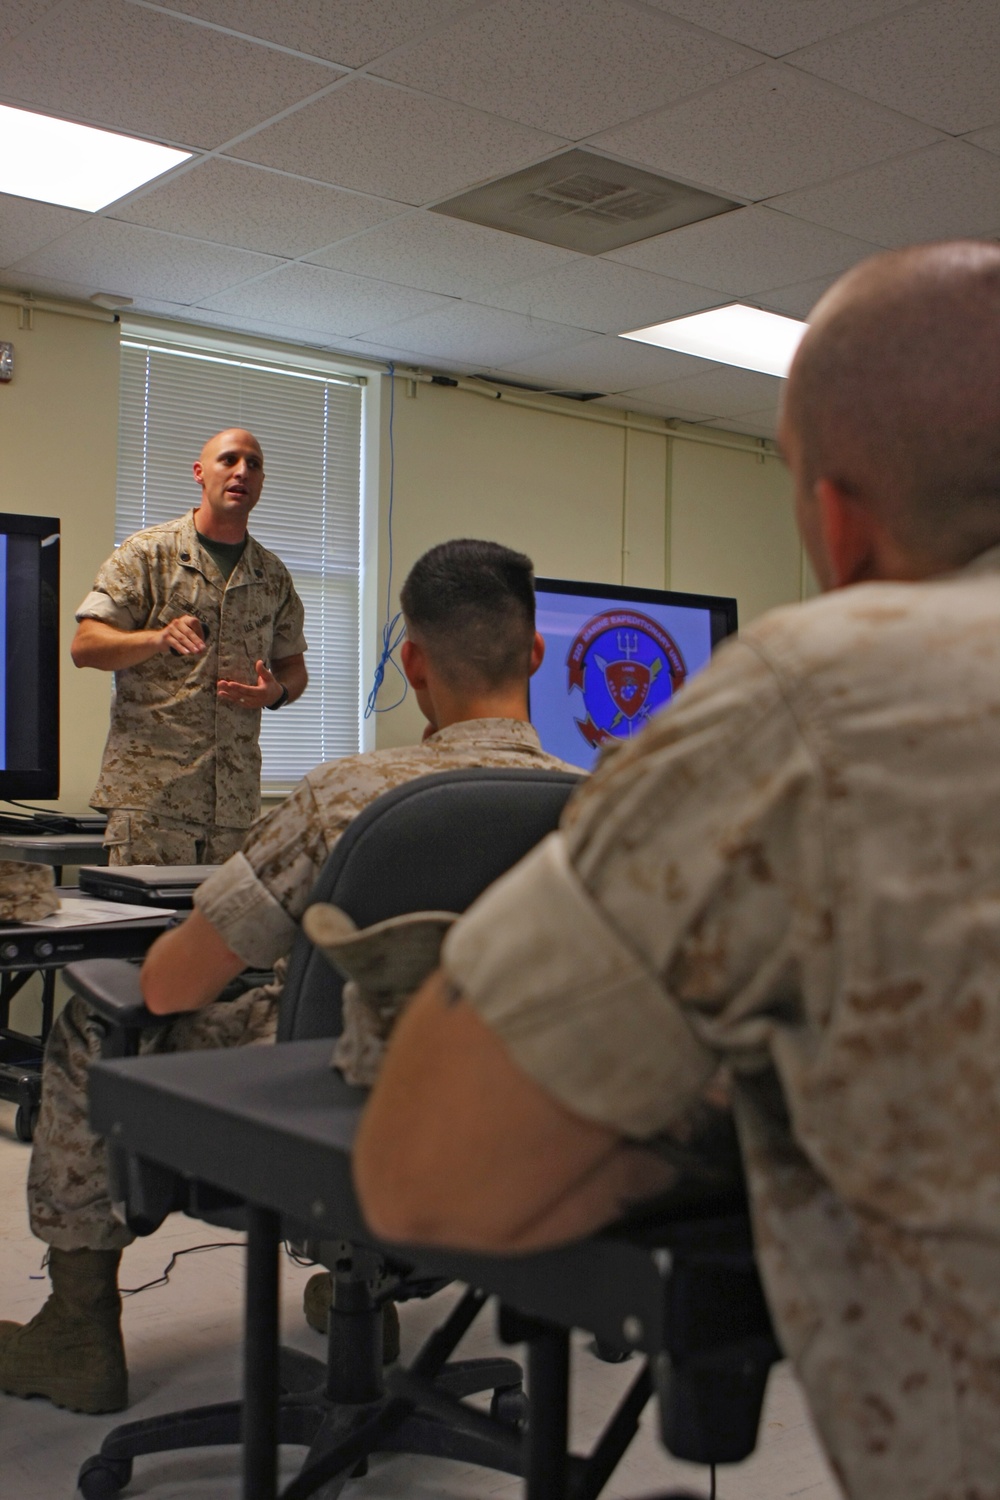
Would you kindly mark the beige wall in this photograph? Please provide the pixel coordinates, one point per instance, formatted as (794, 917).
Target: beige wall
(589, 497)
(59, 441)
(586, 496)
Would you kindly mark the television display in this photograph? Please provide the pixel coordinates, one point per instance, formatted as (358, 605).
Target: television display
(29, 656)
(613, 656)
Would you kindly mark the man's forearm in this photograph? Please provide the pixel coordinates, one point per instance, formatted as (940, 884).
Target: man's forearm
(291, 673)
(109, 649)
(188, 967)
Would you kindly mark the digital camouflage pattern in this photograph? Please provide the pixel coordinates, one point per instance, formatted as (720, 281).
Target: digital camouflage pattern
(173, 749)
(255, 902)
(796, 871)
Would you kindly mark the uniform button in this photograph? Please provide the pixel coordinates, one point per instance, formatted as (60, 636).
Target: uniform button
(185, 557)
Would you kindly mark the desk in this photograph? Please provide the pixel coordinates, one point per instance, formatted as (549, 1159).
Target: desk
(55, 849)
(275, 1126)
(26, 949)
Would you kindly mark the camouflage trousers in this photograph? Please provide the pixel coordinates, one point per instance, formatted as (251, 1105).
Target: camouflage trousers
(134, 837)
(68, 1197)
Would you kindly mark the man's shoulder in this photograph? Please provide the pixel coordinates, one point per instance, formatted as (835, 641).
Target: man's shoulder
(261, 557)
(161, 537)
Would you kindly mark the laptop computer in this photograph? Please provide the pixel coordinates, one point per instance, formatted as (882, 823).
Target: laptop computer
(145, 885)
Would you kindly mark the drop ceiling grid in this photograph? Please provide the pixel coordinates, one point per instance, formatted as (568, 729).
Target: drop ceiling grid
(336, 186)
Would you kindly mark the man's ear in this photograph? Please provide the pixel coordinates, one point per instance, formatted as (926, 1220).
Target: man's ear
(198, 472)
(414, 664)
(854, 540)
(537, 654)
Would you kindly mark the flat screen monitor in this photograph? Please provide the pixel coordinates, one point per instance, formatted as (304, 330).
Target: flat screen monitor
(613, 656)
(29, 656)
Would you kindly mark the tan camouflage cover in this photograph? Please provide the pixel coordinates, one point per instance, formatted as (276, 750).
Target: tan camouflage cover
(173, 748)
(796, 870)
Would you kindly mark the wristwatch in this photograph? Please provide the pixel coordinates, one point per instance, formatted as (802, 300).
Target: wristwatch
(279, 702)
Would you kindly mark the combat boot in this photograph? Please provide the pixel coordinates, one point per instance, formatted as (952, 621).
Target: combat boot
(71, 1352)
(316, 1301)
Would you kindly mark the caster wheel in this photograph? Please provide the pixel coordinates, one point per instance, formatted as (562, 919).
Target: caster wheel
(103, 1478)
(610, 1354)
(25, 1121)
(509, 1405)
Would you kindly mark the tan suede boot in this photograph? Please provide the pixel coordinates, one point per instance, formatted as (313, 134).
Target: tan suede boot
(316, 1305)
(71, 1352)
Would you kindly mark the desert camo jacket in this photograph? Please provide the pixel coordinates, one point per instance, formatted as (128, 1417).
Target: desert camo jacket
(796, 871)
(173, 748)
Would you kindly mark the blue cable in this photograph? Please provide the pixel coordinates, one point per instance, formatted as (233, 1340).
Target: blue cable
(393, 631)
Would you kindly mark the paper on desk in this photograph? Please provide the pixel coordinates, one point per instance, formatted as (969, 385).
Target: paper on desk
(88, 911)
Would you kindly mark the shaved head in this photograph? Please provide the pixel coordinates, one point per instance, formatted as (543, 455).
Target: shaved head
(229, 437)
(894, 395)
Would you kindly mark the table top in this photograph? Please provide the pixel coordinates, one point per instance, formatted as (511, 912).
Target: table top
(54, 848)
(34, 945)
(275, 1125)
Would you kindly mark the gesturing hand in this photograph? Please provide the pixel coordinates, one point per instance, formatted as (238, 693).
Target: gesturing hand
(267, 689)
(184, 636)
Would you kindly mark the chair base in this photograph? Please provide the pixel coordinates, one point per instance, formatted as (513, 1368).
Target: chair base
(338, 1430)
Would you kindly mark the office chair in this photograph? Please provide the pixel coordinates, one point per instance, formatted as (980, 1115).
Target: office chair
(467, 828)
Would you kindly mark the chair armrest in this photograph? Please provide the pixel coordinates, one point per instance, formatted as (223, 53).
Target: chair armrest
(111, 989)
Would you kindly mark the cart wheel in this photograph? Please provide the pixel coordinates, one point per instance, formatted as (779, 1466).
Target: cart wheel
(25, 1121)
(103, 1478)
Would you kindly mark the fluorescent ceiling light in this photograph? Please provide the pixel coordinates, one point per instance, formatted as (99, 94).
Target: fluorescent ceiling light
(733, 335)
(75, 166)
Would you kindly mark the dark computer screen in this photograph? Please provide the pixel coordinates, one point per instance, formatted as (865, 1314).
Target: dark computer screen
(614, 655)
(29, 656)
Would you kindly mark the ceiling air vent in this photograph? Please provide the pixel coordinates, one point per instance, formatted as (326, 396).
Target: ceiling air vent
(586, 203)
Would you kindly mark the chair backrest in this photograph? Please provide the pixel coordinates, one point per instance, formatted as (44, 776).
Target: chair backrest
(432, 844)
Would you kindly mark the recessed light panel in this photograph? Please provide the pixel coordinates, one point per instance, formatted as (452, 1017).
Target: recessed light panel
(76, 166)
(733, 335)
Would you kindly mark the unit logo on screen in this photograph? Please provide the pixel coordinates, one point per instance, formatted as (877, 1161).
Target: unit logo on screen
(626, 666)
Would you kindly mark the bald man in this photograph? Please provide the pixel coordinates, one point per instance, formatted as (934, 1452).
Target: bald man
(202, 628)
(792, 875)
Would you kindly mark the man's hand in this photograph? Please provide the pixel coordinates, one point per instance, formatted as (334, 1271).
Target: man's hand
(267, 689)
(184, 636)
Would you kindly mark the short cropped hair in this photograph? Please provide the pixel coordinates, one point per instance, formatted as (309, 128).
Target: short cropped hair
(472, 606)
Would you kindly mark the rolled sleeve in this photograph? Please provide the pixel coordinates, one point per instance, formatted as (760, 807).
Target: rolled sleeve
(100, 606)
(245, 914)
(573, 1005)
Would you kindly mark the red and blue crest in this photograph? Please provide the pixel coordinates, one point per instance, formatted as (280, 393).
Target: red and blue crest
(626, 666)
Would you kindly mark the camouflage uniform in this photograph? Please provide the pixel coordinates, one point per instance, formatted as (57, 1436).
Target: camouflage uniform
(179, 764)
(255, 902)
(795, 870)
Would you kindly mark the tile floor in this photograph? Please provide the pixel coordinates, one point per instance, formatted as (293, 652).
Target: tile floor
(183, 1343)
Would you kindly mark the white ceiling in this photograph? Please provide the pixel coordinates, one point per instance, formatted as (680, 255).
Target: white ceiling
(324, 130)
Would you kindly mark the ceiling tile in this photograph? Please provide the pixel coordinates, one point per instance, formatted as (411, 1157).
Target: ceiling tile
(949, 189)
(352, 32)
(796, 301)
(570, 66)
(745, 252)
(389, 354)
(137, 70)
(441, 255)
(989, 140)
(106, 256)
(722, 392)
(234, 203)
(484, 335)
(26, 226)
(328, 301)
(777, 26)
(607, 363)
(599, 295)
(937, 62)
(285, 333)
(765, 132)
(395, 144)
(17, 15)
(753, 423)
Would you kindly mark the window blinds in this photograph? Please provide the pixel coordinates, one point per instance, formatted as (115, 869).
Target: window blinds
(309, 426)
